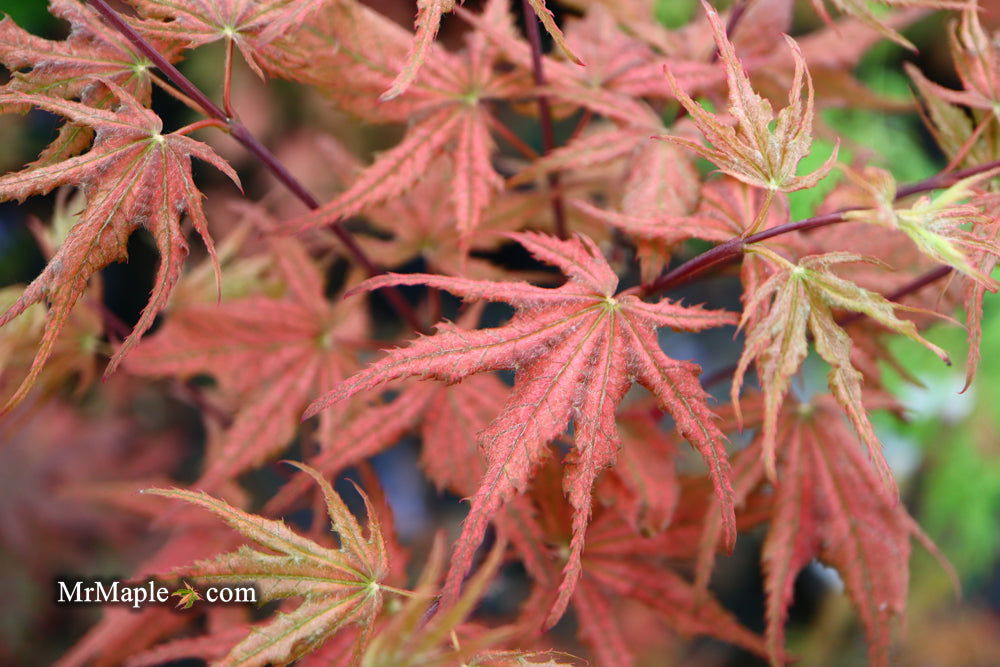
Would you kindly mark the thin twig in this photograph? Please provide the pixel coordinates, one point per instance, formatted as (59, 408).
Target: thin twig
(176, 94)
(729, 250)
(240, 133)
(944, 180)
(511, 138)
(201, 125)
(545, 117)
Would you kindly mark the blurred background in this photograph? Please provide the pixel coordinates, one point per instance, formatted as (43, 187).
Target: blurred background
(946, 452)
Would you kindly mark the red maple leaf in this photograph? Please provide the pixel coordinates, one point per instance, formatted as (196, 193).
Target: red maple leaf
(618, 564)
(133, 176)
(269, 354)
(251, 25)
(428, 21)
(453, 118)
(577, 349)
(73, 68)
(449, 419)
(830, 504)
(337, 587)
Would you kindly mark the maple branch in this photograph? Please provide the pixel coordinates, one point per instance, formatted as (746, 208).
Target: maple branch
(585, 119)
(240, 133)
(176, 94)
(728, 251)
(201, 125)
(511, 138)
(943, 180)
(545, 116)
(918, 284)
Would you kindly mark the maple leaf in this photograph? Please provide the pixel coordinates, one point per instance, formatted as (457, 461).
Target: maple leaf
(613, 82)
(747, 475)
(251, 25)
(977, 60)
(338, 587)
(618, 565)
(429, 13)
(133, 176)
(452, 118)
(74, 67)
(577, 349)
(975, 291)
(729, 208)
(802, 296)
(829, 505)
(600, 144)
(658, 196)
(428, 21)
(448, 418)
(642, 483)
(342, 65)
(605, 86)
(934, 226)
(74, 354)
(659, 190)
(969, 137)
(753, 152)
(429, 232)
(186, 596)
(967, 140)
(270, 354)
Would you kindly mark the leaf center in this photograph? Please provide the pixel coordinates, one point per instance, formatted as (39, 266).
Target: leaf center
(610, 304)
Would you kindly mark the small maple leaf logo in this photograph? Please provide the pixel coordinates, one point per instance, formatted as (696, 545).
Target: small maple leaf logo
(188, 596)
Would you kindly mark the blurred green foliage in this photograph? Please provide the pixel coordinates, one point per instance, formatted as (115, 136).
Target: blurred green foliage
(957, 433)
(674, 13)
(32, 15)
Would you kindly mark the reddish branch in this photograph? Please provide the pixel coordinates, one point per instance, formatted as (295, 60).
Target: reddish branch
(545, 117)
(240, 133)
(730, 250)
